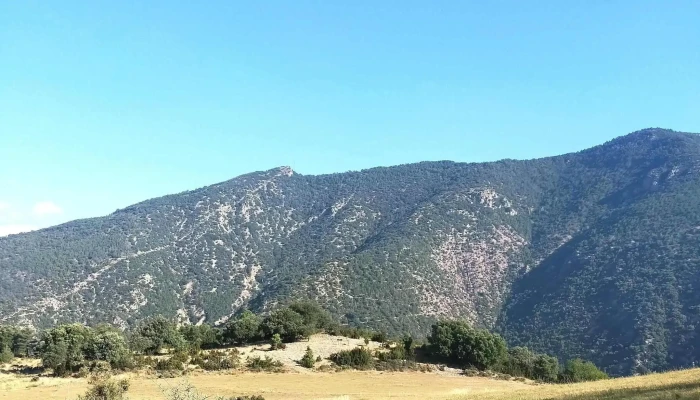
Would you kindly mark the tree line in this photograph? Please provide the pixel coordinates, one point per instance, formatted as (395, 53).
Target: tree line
(70, 348)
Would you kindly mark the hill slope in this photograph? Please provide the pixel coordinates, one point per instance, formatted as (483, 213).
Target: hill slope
(589, 254)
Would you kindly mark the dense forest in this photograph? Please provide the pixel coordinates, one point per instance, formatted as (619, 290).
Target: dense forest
(592, 254)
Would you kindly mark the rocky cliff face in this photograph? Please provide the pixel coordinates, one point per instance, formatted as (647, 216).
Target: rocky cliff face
(556, 253)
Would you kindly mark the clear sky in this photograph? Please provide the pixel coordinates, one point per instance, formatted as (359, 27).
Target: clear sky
(107, 103)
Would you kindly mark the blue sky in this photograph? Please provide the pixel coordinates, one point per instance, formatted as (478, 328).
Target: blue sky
(104, 104)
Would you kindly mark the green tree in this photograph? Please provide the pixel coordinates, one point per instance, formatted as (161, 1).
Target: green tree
(545, 368)
(6, 355)
(155, 333)
(108, 344)
(579, 370)
(458, 342)
(200, 336)
(244, 329)
(287, 323)
(63, 347)
(315, 318)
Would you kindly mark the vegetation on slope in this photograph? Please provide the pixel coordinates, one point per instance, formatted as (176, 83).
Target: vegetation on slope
(589, 255)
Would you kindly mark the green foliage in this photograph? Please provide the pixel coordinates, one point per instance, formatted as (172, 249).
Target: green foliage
(16, 339)
(201, 336)
(217, 360)
(289, 324)
(244, 329)
(572, 235)
(6, 355)
(169, 364)
(522, 362)
(108, 344)
(308, 360)
(458, 342)
(578, 370)
(358, 358)
(315, 319)
(155, 333)
(257, 364)
(63, 348)
(276, 342)
(186, 391)
(107, 390)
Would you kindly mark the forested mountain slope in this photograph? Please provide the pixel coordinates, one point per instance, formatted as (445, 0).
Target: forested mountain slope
(593, 254)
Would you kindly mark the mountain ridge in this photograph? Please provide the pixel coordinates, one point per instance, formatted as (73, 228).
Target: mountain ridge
(531, 248)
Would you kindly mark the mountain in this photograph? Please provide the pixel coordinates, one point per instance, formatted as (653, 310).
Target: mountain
(593, 254)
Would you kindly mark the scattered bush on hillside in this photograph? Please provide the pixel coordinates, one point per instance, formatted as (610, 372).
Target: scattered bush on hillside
(308, 360)
(578, 370)
(459, 343)
(358, 358)
(276, 342)
(257, 364)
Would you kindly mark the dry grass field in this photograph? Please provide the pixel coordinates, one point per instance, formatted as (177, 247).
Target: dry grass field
(300, 383)
(369, 385)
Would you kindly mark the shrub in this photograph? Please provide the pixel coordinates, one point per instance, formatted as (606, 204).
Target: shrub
(107, 390)
(217, 360)
(379, 337)
(188, 392)
(458, 342)
(394, 353)
(276, 342)
(578, 370)
(6, 355)
(308, 360)
(359, 358)
(545, 368)
(200, 336)
(315, 318)
(63, 348)
(258, 364)
(169, 364)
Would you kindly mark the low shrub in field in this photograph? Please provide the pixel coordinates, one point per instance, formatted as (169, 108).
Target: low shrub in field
(401, 365)
(308, 360)
(216, 360)
(188, 392)
(169, 364)
(257, 364)
(358, 358)
(107, 390)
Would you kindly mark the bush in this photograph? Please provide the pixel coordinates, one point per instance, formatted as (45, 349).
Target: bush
(6, 355)
(169, 364)
(188, 392)
(394, 353)
(107, 390)
(308, 360)
(545, 368)
(358, 358)
(581, 371)
(379, 337)
(217, 360)
(315, 318)
(276, 342)
(458, 342)
(256, 364)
